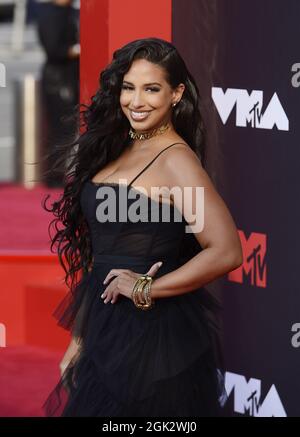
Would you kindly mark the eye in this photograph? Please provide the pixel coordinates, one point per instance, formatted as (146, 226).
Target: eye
(153, 89)
(126, 87)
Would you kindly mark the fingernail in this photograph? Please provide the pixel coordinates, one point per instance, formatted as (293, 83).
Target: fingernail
(160, 263)
(104, 281)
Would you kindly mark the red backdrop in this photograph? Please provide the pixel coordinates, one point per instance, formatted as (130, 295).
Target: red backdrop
(109, 24)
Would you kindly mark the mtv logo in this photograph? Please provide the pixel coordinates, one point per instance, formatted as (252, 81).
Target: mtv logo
(254, 265)
(247, 397)
(248, 108)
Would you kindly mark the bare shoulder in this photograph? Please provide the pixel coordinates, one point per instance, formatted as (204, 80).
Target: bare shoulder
(183, 167)
(179, 151)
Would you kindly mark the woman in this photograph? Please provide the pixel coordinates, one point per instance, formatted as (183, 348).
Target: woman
(141, 346)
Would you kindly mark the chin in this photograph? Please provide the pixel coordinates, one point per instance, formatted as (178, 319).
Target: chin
(144, 126)
(141, 127)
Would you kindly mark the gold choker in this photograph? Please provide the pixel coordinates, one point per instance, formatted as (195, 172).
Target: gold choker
(146, 135)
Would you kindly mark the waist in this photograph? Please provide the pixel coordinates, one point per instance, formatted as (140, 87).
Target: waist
(124, 260)
(103, 263)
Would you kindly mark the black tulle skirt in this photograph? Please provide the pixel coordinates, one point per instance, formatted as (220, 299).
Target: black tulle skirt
(162, 362)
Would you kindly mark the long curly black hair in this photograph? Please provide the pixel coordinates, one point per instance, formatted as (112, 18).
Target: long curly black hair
(104, 137)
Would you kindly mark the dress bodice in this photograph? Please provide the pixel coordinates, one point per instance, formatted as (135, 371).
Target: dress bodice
(150, 228)
(158, 231)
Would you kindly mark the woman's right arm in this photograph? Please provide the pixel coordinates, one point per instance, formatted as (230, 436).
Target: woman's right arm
(74, 345)
(70, 354)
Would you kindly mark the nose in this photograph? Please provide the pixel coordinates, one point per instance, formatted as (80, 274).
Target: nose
(137, 100)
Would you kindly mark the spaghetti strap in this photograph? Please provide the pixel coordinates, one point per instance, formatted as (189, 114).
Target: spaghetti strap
(148, 165)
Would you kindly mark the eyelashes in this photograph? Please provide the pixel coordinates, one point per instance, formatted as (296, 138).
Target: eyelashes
(152, 89)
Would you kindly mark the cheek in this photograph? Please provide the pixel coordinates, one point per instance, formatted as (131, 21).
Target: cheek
(161, 101)
(124, 99)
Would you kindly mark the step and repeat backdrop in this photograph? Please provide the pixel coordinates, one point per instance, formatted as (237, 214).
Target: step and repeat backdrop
(246, 60)
(245, 57)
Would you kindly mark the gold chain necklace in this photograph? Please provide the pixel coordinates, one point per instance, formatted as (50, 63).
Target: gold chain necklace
(146, 135)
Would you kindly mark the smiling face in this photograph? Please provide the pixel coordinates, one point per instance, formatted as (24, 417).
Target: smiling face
(146, 97)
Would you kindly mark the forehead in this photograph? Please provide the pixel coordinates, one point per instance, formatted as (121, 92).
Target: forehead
(142, 70)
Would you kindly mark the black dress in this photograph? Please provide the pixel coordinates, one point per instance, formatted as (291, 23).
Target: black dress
(159, 362)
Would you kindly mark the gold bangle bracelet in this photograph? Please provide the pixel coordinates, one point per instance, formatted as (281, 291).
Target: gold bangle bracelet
(147, 295)
(141, 292)
(136, 293)
(135, 298)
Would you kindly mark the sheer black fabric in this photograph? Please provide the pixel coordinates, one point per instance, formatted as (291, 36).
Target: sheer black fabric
(162, 362)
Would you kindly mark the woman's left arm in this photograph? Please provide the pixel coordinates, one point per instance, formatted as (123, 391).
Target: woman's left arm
(218, 238)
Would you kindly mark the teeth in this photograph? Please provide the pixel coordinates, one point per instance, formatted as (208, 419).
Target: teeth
(139, 114)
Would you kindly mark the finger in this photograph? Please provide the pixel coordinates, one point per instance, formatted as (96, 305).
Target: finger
(112, 273)
(107, 298)
(106, 295)
(110, 291)
(152, 271)
(114, 298)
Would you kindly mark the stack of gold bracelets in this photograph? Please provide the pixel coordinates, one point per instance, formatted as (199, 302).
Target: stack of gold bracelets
(141, 293)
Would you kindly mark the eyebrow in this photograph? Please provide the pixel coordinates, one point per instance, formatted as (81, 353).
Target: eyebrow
(146, 84)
